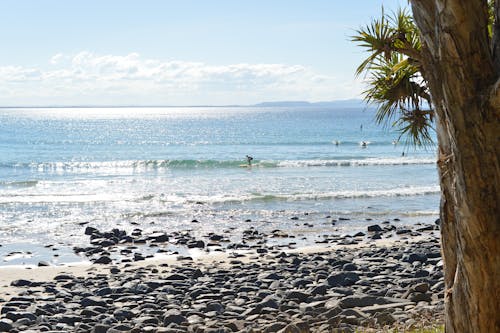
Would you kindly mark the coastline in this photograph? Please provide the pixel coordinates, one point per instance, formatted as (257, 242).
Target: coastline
(371, 284)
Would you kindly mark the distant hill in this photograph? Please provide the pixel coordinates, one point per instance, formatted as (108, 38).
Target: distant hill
(347, 103)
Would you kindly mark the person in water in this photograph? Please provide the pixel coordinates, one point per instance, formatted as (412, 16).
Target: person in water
(249, 160)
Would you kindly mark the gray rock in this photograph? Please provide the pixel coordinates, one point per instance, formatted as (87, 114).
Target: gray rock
(419, 297)
(120, 328)
(21, 283)
(92, 301)
(319, 290)
(422, 257)
(5, 325)
(176, 277)
(158, 237)
(349, 267)
(18, 315)
(91, 231)
(274, 327)
(374, 227)
(297, 295)
(421, 287)
(384, 318)
(100, 328)
(103, 260)
(173, 316)
(342, 279)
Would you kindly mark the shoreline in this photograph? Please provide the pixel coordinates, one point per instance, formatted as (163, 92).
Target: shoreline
(80, 269)
(369, 284)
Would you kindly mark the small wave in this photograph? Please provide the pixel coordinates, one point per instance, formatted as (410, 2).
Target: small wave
(145, 165)
(148, 214)
(357, 162)
(56, 198)
(421, 213)
(355, 194)
(23, 183)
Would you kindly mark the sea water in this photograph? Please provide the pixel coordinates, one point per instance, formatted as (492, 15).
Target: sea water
(62, 169)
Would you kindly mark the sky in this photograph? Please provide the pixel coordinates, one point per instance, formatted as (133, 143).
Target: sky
(181, 52)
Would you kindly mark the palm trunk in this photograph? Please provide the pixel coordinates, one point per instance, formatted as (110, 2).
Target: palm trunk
(461, 72)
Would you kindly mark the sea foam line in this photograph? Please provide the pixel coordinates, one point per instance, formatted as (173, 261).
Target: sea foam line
(347, 194)
(144, 165)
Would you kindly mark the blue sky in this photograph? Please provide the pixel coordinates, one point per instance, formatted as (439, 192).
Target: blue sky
(183, 52)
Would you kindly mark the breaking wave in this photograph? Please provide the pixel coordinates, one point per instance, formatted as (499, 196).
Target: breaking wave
(145, 165)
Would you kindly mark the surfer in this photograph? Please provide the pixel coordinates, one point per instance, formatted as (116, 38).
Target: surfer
(249, 160)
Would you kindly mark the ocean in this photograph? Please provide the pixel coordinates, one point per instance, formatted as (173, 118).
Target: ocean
(160, 168)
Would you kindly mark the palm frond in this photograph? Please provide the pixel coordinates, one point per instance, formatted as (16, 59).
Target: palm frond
(395, 84)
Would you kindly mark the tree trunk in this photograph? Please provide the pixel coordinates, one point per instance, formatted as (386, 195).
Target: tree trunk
(460, 66)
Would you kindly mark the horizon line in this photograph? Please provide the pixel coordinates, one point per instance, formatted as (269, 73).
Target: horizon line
(260, 104)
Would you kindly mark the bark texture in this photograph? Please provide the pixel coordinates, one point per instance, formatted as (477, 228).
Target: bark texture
(461, 65)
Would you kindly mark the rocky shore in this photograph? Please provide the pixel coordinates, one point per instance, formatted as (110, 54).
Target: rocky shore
(375, 280)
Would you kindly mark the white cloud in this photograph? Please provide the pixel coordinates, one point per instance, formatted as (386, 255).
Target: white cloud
(88, 78)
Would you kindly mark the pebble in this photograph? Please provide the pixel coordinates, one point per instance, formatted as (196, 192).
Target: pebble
(343, 290)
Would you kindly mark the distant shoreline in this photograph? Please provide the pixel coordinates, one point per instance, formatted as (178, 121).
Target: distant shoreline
(349, 103)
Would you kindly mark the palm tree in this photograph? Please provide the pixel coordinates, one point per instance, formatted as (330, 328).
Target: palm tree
(395, 83)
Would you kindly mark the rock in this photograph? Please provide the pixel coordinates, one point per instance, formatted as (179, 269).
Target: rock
(268, 302)
(120, 328)
(114, 270)
(402, 231)
(5, 325)
(43, 263)
(91, 231)
(21, 283)
(296, 327)
(367, 300)
(64, 277)
(215, 237)
(68, 319)
(384, 318)
(173, 316)
(18, 315)
(92, 301)
(296, 295)
(138, 257)
(375, 227)
(421, 273)
(422, 257)
(158, 237)
(269, 276)
(196, 244)
(386, 307)
(274, 327)
(103, 260)
(349, 267)
(215, 306)
(319, 290)
(342, 279)
(419, 297)
(175, 277)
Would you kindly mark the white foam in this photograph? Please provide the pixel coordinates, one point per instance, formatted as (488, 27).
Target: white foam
(353, 194)
(357, 162)
(59, 198)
